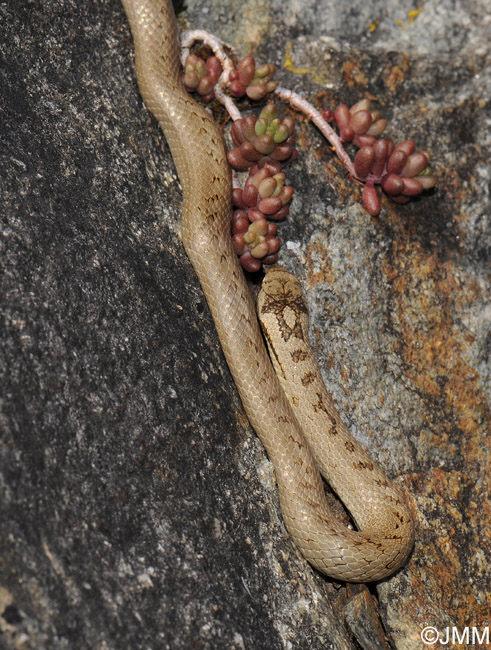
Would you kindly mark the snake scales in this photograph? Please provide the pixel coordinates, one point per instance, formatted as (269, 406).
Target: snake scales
(377, 506)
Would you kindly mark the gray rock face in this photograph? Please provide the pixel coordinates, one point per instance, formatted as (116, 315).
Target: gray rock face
(138, 509)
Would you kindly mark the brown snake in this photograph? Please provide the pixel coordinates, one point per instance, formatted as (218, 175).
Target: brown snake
(377, 506)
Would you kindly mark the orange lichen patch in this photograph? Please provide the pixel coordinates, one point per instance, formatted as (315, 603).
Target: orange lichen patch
(394, 75)
(319, 264)
(430, 296)
(353, 74)
(437, 440)
(413, 14)
(452, 182)
(344, 374)
(446, 484)
(427, 294)
(346, 188)
(373, 26)
(448, 538)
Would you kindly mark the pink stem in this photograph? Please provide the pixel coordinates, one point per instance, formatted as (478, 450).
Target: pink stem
(302, 105)
(190, 37)
(228, 102)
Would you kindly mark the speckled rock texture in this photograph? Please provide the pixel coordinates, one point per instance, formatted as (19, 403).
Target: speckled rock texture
(138, 509)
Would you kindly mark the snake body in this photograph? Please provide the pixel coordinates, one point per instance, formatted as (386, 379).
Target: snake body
(198, 151)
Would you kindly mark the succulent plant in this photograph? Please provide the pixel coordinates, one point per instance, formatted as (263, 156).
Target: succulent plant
(202, 76)
(357, 124)
(251, 80)
(264, 196)
(400, 170)
(263, 144)
(263, 139)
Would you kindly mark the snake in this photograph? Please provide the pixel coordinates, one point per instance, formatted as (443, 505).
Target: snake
(281, 391)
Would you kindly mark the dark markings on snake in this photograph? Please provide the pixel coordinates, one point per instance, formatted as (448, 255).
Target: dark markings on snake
(349, 446)
(297, 442)
(246, 318)
(320, 406)
(272, 352)
(277, 307)
(364, 465)
(264, 379)
(334, 424)
(283, 418)
(381, 482)
(299, 355)
(312, 504)
(308, 378)
(399, 516)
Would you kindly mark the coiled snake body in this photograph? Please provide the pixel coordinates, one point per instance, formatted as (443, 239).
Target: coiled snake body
(377, 506)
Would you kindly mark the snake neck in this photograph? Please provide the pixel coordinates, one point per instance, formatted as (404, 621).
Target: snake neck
(195, 141)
